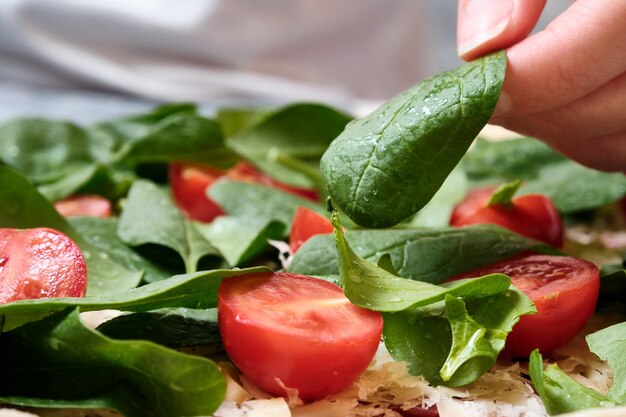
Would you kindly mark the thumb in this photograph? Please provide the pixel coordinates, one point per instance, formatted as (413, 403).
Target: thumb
(488, 25)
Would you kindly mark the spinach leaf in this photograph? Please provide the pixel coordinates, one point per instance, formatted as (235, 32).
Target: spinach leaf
(59, 362)
(234, 120)
(559, 392)
(455, 342)
(609, 344)
(385, 167)
(612, 286)
(196, 290)
(372, 287)
(44, 150)
(571, 186)
(24, 207)
(172, 327)
(239, 239)
(150, 216)
(303, 131)
(102, 234)
(421, 254)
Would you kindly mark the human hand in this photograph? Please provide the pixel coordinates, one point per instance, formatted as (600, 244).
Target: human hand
(566, 84)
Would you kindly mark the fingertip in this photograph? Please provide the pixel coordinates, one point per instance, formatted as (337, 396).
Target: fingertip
(485, 26)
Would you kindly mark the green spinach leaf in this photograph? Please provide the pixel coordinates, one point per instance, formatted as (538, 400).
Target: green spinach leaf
(385, 167)
(422, 254)
(150, 217)
(559, 392)
(609, 344)
(571, 186)
(302, 131)
(58, 361)
(172, 327)
(196, 290)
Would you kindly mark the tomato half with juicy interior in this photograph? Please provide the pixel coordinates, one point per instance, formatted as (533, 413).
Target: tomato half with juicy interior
(564, 290)
(38, 263)
(84, 205)
(531, 215)
(306, 224)
(291, 331)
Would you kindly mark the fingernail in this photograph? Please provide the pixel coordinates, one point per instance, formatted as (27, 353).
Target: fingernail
(481, 21)
(503, 106)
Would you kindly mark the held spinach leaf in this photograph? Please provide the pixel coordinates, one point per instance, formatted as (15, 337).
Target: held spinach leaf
(150, 217)
(421, 254)
(59, 362)
(385, 167)
(559, 392)
(197, 290)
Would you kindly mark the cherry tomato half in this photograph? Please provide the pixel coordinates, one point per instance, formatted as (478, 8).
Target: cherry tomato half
(287, 330)
(531, 215)
(190, 181)
(38, 263)
(84, 205)
(306, 224)
(564, 290)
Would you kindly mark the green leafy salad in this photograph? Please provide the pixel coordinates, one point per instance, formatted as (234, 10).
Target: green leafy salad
(199, 201)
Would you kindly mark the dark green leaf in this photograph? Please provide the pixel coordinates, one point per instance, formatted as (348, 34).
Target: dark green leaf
(612, 286)
(421, 254)
(197, 290)
(58, 361)
(559, 392)
(234, 120)
(23, 207)
(302, 131)
(571, 186)
(172, 327)
(44, 150)
(150, 217)
(385, 167)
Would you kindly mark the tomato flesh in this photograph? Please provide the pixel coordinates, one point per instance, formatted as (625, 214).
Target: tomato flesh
(292, 331)
(306, 224)
(190, 181)
(530, 215)
(564, 290)
(84, 205)
(38, 263)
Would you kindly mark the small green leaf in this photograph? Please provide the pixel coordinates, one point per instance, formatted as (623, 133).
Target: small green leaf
(150, 216)
(59, 362)
(559, 392)
(609, 344)
(504, 194)
(387, 166)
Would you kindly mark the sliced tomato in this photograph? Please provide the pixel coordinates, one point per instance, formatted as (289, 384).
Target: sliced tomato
(84, 205)
(288, 331)
(564, 290)
(38, 263)
(190, 181)
(531, 215)
(306, 224)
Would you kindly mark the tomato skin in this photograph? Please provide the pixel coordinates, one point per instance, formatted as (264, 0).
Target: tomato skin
(189, 183)
(84, 205)
(306, 224)
(565, 291)
(38, 263)
(287, 330)
(531, 215)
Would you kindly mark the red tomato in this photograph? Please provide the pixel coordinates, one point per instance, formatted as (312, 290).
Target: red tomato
(530, 215)
(189, 183)
(84, 205)
(287, 330)
(37, 263)
(564, 290)
(306, 224)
